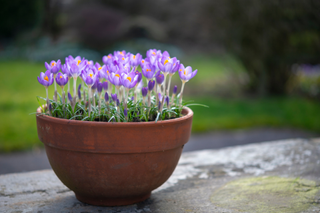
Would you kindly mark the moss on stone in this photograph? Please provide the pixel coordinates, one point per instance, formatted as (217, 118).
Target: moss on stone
(266, 194)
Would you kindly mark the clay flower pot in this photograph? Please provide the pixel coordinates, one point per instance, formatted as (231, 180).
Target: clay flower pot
(111, 164)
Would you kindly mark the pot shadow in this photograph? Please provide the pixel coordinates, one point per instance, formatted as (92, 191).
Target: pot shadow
(67, 202)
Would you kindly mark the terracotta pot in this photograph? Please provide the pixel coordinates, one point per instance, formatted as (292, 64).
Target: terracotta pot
(111, 164)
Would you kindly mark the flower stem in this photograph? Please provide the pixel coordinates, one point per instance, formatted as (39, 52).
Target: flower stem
(93, 97)
(68, 90)
(89, 93)
(55, 87)
(47, 101)
(169, 83)
(181, 93)
(75, 88)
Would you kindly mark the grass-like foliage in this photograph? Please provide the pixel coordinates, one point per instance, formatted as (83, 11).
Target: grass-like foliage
(110, 111)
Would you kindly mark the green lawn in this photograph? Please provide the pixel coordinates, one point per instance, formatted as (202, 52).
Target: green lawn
(19, 88)
(244, 113)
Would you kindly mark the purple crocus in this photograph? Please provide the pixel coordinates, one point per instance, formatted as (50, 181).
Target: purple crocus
(153, 52)
(167, 100)
(69, 97)
(114, 78)
(119, 53)
(107, 59)
(114, 97)
(144, 91)
(129, 80)
(79, 92)
(139, 75)
(159, 77)
(105, 85)
(175, 88)
(46, 79)
(62, 79)
(54, 66)
(143, 62)
(186, 73)
(99, 87)
(106, 97)
(148, 71)
(125, 112)
(135, 59)
(89, 76)
(151, 85)
(174, 92)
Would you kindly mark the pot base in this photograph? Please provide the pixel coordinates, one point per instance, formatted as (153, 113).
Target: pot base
(113, 201)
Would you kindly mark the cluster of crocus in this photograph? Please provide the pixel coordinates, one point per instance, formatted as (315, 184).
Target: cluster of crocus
(120, 77)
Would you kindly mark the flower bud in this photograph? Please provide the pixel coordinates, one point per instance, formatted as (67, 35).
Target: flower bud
(159, 77)
(151, 85)
(144, 91)
(105, 85)
(175, 88)
(69, 97)
(125, 112)
(79, 91)
(167, 101)
(106, 97)
(99, 87)
(139, 76)
(114, 97)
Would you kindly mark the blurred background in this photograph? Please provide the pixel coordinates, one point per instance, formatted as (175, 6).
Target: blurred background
(258, 61)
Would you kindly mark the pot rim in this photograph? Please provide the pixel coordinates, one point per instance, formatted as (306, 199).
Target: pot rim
(186, 111)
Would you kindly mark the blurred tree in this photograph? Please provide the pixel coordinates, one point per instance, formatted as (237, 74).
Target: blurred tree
(17, 16)
(269, 37)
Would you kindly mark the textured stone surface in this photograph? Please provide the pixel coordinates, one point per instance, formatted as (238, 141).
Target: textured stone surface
(280, 176)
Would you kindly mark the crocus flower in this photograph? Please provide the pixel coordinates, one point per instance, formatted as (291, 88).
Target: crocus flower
(125, 112)
(144, 91)
(66, 70)
(153, 52)
(119, 53)
(62, 79)
(129, 80)
(46, 79)
(79, 92)
(143, 62)
(54, 67)
(151, 85)
(99, 87)
(114, 97)
(106, 97)
(114, 78)
(167, 101)
(175, 88)
(89, 77)
(186, 73)
(105, 85)
(159, 77)
(90, 63)
(107, 59)
(174, 92)
(139, 75)
(148, 71)
(135, 59)
(69, 97)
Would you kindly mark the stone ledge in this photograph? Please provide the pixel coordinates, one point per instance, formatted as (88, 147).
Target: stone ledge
(279, 176)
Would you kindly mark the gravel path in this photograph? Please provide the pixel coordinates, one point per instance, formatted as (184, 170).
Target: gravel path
(37, 159)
